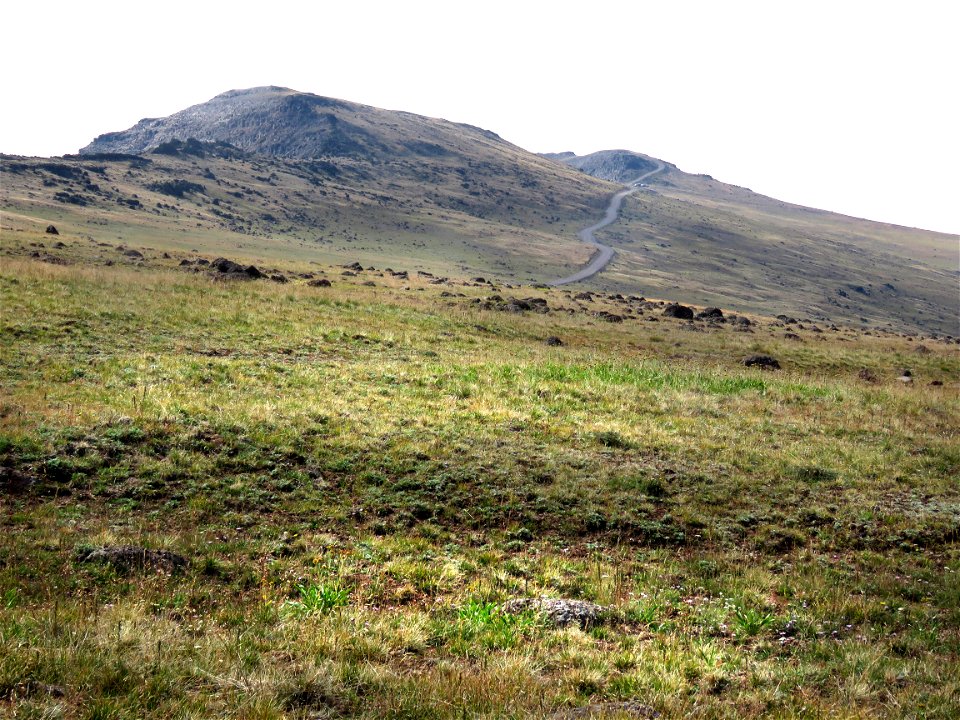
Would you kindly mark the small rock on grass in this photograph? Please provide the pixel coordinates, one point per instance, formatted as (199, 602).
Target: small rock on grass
(630, 708)
(131, 557)
(553, 341)
(14, 482)
(867, 375)
(765, 362)
(560, 612)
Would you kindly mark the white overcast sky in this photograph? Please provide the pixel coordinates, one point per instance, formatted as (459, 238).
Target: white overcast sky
(842, 105)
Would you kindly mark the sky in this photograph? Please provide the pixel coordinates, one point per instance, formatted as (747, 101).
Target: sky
(843, 105)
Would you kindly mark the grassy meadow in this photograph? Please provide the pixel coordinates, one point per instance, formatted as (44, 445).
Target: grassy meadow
(359, 476)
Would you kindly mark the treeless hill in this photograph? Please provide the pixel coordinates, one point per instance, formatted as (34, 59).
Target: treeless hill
(274, 174)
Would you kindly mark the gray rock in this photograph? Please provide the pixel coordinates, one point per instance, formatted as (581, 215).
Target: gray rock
(560, 612)
(630, 708)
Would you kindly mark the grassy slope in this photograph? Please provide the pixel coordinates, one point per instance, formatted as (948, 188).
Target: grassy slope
(358, 473)
(503, 212)
(719, 244)
(494, 210)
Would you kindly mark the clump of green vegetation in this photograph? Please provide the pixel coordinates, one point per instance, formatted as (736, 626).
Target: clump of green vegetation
(317, 599)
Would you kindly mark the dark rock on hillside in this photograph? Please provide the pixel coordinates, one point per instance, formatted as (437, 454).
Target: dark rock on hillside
(764, 362)
(675, 310)
(51, 230)
(229, 267)
(710, 313)
(553, 341)
(609, 317)
(197, 148)
(868, 375)
(14, 482)
(319, 282)
(131, 557)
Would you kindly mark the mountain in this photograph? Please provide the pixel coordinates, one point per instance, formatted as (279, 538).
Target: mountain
(620, 166)
(285, 123)
(718, 244)
(274, 175)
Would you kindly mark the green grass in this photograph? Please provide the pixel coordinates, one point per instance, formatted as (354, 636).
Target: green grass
(359, 477)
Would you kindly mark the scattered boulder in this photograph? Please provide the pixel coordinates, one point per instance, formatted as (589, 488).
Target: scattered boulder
(681, 312)
(905, 379)
(229, 267)
(355, 266)
(710, 313)
(186, 263)
(226, 266)
(868, 375)
(608, 317)
(559, 612)
(278, 278)
(553, 341)
(131, 557)
(764, 362)
(320, 282)
(51, 230)
(61, 245)
(936, 383)
(131, 253)
(791, 336)
(583, 296)
(14, 482)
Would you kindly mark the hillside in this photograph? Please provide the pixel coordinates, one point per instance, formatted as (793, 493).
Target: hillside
(274, 176)
(708, 242)
(271, 448)
(431, 194)
(228, 497)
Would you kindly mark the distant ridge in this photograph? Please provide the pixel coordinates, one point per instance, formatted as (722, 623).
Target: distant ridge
(620, 166)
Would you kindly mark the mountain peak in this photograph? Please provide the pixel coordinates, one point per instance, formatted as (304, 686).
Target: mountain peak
(269, 120)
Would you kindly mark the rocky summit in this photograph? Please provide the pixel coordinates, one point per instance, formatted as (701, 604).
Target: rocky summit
(282, 122)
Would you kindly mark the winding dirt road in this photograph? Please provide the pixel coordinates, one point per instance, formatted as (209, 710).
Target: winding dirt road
(604, 254)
